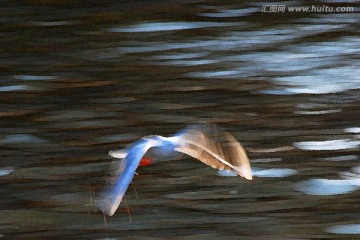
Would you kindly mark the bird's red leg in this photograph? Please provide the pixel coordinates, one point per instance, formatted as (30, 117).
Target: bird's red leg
(105, 222)
(128, 210)
(136, 192)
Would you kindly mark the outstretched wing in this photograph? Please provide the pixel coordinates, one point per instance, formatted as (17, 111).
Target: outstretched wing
(109, 201)
(216, 148)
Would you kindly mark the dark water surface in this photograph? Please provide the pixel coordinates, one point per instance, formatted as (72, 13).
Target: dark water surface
(80, 78)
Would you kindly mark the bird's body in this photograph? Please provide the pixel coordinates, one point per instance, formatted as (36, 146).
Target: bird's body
(213, 147)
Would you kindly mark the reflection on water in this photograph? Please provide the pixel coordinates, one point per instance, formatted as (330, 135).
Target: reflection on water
(349, 183)
(328, 145)
(80, 79)
(4, 172)
(345, 229)
(274, 172)
(21, 138)
(168, 26)
(343, 158)
(227, 13)
(328, 186)
(14, 88)
(34, 78)
(352, 130)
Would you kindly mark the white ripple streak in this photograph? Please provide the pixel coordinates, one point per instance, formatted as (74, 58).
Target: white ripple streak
(328, 186)
(167, 26)
(345, 229)
(327, 145)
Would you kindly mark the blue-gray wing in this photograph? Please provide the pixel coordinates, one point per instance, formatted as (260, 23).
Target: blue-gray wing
(110, 199)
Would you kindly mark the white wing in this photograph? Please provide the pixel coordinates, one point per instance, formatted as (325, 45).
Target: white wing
(109, 201)
(216, 148)
(210, 145)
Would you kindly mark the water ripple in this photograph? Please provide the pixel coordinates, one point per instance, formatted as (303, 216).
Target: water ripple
(327, 145)
(186, 62)
(345, 229)
(352, 130)
(4, 172)
(342, 158)
(34, 77)
(54, 23)
(226, 13)
(265, 173)
(179, 56)
(327, 186)
(167, 26)
(211, 74)
(14, 88)
(318, 112)
(21, 138)
(273, 172)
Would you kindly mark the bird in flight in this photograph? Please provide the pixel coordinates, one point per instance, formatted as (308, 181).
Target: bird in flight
(209, 144)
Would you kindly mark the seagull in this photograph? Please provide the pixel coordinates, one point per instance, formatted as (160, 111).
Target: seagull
(208, 143)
